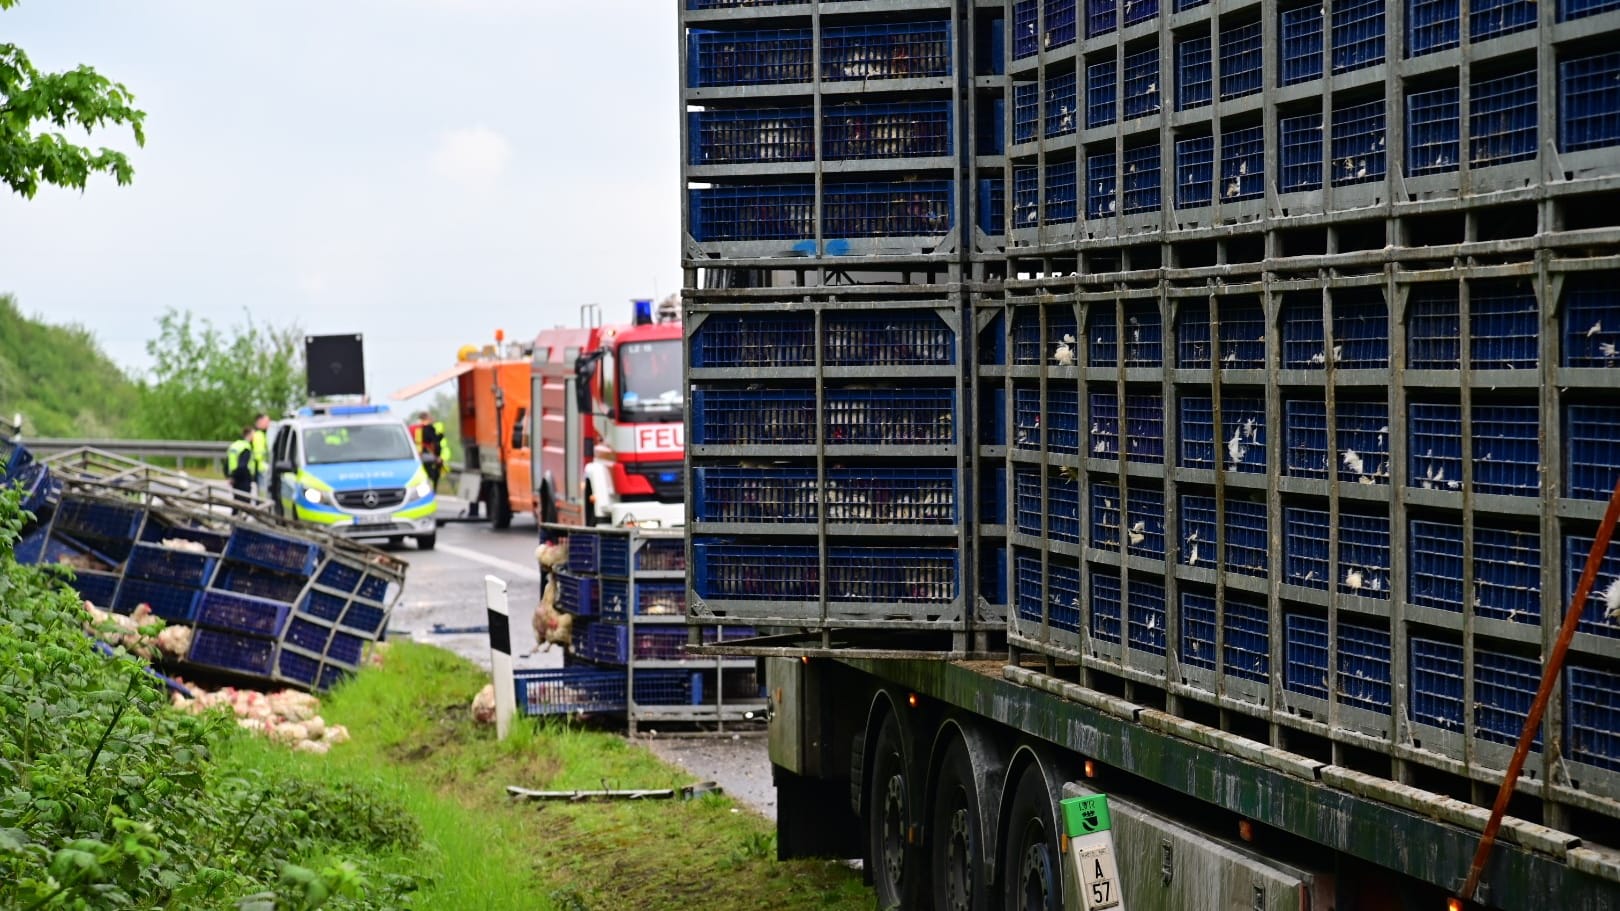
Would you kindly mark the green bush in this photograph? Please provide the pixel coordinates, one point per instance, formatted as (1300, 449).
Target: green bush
(110, 799)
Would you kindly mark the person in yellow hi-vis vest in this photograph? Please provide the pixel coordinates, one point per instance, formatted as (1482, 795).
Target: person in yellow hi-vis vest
(433, 445)
(261, 453)
(239, 464)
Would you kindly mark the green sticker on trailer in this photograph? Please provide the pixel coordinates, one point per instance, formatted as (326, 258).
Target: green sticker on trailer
(1085, 815)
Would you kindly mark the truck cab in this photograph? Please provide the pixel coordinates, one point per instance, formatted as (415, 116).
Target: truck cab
(355, 470)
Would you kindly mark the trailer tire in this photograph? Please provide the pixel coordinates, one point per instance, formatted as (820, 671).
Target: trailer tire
(896, 861)
(500, 508)
(1032, 874)
(960, 880)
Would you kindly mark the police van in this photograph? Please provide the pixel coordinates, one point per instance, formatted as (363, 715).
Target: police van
(354, 469)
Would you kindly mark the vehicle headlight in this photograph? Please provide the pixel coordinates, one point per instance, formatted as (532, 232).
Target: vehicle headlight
(312, 495)
(422, 490)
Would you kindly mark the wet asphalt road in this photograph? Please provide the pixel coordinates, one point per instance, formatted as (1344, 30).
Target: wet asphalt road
(446, 586)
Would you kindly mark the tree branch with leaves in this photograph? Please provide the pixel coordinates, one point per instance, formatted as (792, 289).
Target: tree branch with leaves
(32, 101)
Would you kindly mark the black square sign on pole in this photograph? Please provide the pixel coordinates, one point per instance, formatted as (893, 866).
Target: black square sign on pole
(335, 365)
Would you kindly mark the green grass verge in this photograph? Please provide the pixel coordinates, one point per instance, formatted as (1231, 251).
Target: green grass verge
(414, 738)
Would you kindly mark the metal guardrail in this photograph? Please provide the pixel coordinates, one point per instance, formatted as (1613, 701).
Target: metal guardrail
(179, 449)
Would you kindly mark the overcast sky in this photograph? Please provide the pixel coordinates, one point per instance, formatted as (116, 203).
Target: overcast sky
(420, 171)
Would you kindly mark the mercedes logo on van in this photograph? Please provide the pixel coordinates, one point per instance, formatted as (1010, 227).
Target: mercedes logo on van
(370, 499)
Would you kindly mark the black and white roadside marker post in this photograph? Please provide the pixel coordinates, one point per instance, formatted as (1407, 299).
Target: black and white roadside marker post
(500, 653)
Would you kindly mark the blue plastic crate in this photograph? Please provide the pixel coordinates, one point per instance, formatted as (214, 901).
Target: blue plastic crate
(1141, 173)
(1147, 618)
(1592, 717)
(1434, 574)
(1303, 337)
(1140, 95)
(1507, 574)
(744, 417)
(1301, 159)
(377, 588)
(1433, 327)
(653, 599)
(662, 555)
(281, 553)
(96, 587)
(241, 613)
(725, 571)
(1059, 204)
(1248, 545)
(771, 57)
(993, 206)
(1431, 25)
(1144, 515)
(1592, 439)
(993, 575)
(1194, 72)
(1101, 181)
(1360, 329)
(755, 495)
(1502, 111)
(891, 575)
(1027, 586)
(990, 128)
(1243, 173)
(231, 651)
(1195, 172)
(1504, 687)
(1301, 51)
(1062, 105)
(578, 595)
(14, 457)
(1197, 629)
(1102, 84)
(1102, 335)
(1102, 17)
(1507, 449)
(1028, 347)
(901, 417)
(293, 667)
(1242, 449)
(865, 53)
(1591, 320)
(1063, 508)
(324, 605)
(668, 687)
(570, 691)
(1358, 35)
(1143, 337)
(1063, 594)
(1134, 11)
(1107, 510)
(40, 489)
(920, 208)
(1028, 491)
(885, 496)
(1247, 654)
(1364, 555)
(365, 619)
(918, 129)
(1489, 18)
(612, 643)
(993, 416)
(1437, 674)
(174, 603)
(1103, 441)
(1434, 446)
(1358, 142)
(1106, 594)
(613, 555)
(1589, 102)
(340, 576)
(1241, 60)
(754, 340)
(1305, 547)
(247, 579)
(165, 564)
(1362, 430)
(1575, 9)
(893, 338)
(584, 552)
(1026, 28)
(1026, 112)
(1026, 196)
(1027, 418)
(1593, 619)
(1197, 529)
(762, 135)
(114, 525)
(308, 635)
(1364, 667)
(750, 213)
(1193, 346)
(992, 501)
(1433, 130)
(1060, 424)
(38, 547)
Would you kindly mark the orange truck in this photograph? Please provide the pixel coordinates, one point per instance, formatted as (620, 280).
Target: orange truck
(582, 426)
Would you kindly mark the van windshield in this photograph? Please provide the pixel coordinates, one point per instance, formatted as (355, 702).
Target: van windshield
(329, 443)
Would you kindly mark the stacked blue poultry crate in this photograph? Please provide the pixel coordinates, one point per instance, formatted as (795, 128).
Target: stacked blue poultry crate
(244, 612)
(344, 607)
(1346, 504)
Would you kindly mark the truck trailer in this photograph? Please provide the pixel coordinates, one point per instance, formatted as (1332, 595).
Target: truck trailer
(1208, 405)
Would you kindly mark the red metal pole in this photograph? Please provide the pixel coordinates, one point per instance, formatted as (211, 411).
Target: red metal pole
(1555, 663)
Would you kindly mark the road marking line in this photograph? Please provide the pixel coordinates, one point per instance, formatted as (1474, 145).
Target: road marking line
(527, 572)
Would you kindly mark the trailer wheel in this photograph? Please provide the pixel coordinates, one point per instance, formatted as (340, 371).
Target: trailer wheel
(1033, 880)
(959, 876)
(500, 508)
(891, 820)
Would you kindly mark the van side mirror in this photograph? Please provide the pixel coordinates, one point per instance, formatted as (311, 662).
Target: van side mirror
(584, 371)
